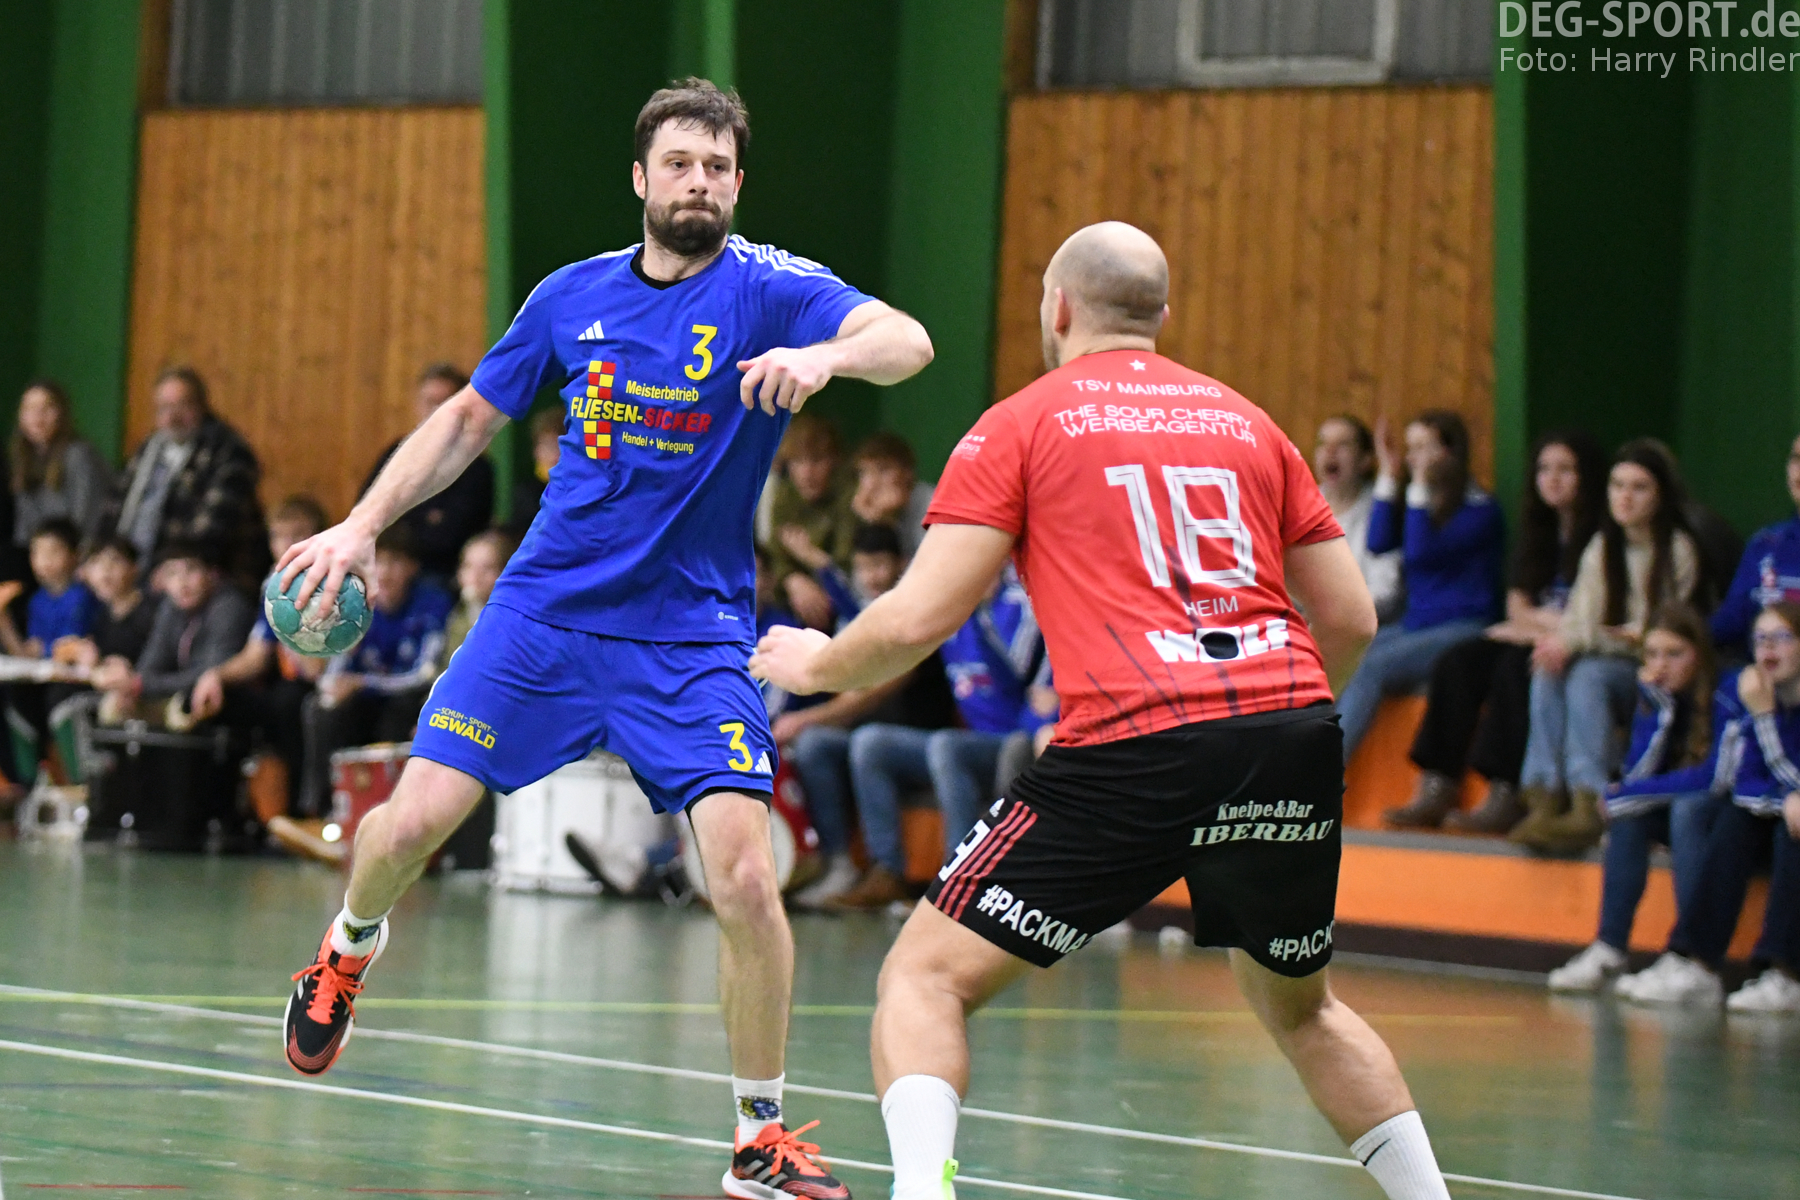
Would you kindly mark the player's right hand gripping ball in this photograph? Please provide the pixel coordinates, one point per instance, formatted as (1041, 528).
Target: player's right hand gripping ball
(318, 632)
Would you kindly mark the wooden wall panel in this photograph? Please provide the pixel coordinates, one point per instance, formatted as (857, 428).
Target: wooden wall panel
(1331, 249)
(308, 263)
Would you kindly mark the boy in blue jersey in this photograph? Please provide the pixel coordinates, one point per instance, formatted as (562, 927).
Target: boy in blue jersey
(625, 619)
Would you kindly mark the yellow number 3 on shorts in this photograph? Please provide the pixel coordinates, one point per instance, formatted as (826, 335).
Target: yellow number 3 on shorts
(743, 761)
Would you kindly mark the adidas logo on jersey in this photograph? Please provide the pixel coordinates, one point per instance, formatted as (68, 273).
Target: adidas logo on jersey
(592, 333)
(762, 764)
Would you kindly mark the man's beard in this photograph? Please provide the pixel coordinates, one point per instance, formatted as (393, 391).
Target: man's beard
(690, 230)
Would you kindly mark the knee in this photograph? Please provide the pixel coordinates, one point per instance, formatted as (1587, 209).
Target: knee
(406, 826)
(866, 747)
(743, 887)
(911, 972)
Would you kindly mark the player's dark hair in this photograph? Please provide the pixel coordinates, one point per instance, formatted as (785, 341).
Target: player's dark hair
(398, 539)
(189, 379)
(809, 436)
(443, 372)
(114, 544)
(302, 507)
(1544, 554)
(870, 538)
(1685, 622)
(696, 102)
(887, 447)
(60, 528)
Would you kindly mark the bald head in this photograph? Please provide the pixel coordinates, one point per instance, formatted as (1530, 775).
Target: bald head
(1115, 277)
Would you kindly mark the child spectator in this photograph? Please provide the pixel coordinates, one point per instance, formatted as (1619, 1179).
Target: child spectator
(1479, 702)
(374, 693)
(123, 617)
(1344, 465)
(262, 689)
(200, 624)
(1450, 533)
(1769, 572)
(1584, 676)
(62, 606)
(1666, 796)
(809, 495)
(889, 490)
(992, 662)
(483, 558)
(876, 562)
(1755, 761)
(54, 473)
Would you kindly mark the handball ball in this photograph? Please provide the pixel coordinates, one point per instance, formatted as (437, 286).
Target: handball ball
(317, 633)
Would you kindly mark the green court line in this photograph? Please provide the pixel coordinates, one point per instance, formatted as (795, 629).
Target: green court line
(674, 1008)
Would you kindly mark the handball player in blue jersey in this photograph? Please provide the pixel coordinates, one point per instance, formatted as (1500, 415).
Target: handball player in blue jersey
(626, 619)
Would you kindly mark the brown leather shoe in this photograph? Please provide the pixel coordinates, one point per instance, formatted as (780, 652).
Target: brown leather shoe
(1497, 814)
(1434, 799)
(1542, 805)
(878, 888)
(1576, 831)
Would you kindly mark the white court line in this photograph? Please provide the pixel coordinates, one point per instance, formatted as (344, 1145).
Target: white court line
(477, 1110)
(616, 1064)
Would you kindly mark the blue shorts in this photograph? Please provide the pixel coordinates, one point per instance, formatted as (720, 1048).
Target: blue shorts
(521, 698)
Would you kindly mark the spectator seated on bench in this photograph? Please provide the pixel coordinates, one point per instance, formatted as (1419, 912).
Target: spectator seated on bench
(991, 662)
(374, 693)
(61, 607)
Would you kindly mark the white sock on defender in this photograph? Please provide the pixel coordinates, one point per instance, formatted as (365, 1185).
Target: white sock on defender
(354, 936)
(758, 1104)
(921, 1112)
(1398, 1154)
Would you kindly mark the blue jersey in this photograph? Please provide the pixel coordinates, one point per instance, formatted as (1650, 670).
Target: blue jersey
(993, 658)
(647, 523)
(404, 648)
(68, 613)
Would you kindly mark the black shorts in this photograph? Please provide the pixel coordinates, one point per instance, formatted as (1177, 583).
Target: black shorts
(1247, 809)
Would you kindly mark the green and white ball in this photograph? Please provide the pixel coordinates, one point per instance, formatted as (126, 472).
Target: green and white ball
(318, 632)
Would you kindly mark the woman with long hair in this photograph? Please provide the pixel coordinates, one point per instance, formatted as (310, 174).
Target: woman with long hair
(54, 473)
(1584, 676)
(1479, 701)
(1449, 532)
(1665, 796)
(1756, 750)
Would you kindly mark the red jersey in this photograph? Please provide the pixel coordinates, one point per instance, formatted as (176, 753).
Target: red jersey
(1151, 506)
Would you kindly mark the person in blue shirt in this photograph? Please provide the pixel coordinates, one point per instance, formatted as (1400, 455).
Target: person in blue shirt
(374, 692)
(1768, 572)
(62, 606)
(1667, 794)
(1450, 533)
(625, 619)
(1756, 764)
(992, 662)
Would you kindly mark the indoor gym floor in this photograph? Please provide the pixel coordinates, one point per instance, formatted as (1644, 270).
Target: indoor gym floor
(522, 1045)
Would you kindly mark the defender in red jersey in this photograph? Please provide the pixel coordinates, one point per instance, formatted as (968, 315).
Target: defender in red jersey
(1164, 527)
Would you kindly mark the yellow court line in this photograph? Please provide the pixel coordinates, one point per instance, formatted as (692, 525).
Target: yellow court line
(672, 1008)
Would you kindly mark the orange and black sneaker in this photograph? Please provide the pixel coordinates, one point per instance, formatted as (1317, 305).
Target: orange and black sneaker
(320, 1015)
(777, 1164)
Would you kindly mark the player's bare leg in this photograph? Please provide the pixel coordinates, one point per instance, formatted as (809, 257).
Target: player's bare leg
(393, 844)
(756, 985)
(1348, 1070)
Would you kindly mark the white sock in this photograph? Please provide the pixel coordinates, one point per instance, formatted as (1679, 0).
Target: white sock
(921, 1112)
(354, 936)
(1398, 1154)
(758, 1104)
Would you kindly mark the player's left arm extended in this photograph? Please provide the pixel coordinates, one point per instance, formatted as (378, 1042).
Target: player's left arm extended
(953, 570)
(874, 342)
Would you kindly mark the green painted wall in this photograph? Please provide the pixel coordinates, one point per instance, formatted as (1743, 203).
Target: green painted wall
(818, 77)
(89, 175)
(1512, 417)
(25, 29)
(944, 232)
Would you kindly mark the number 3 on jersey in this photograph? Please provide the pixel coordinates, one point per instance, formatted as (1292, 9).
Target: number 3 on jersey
(1189, 529)
(703, 368)
(742, 761)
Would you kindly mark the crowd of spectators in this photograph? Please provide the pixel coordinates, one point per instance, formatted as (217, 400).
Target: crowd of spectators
(1580, 686)
(1585, 705)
